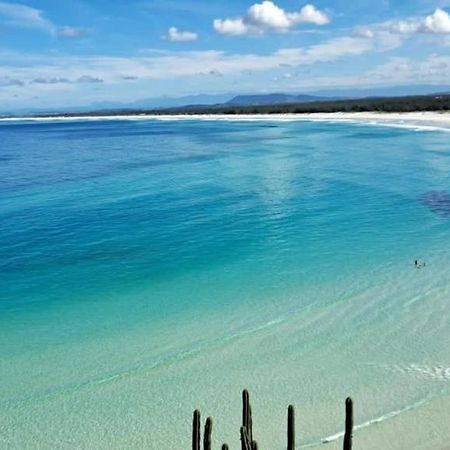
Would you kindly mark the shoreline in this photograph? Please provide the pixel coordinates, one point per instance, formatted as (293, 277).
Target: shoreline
(419, 120)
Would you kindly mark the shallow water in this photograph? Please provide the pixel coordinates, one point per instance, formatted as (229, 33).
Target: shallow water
(152, 267)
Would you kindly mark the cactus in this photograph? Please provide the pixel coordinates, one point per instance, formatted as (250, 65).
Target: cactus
(207, 435)
(247, 422)
(196, 430)
(246, 445)
(348, 424)
(291, 428)
(246, 430)
(250, 422)
(245, 404)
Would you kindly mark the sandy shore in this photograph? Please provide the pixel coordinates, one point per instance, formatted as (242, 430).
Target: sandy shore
(423, 120)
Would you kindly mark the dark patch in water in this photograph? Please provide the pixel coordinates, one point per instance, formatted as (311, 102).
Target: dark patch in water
(437, 202)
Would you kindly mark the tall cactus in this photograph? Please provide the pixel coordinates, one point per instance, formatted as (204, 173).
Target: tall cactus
(291, 428)
(247, 421)
(348, 424)
(250, 422)
(246, 445)
(207, 435)
(245, 405)
(196, 430)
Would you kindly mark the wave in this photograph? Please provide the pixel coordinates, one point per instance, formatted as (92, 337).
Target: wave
(368, 423)
(419, 124)
(377, 420)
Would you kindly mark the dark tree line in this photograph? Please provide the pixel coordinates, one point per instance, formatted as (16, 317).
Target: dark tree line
(380, 104)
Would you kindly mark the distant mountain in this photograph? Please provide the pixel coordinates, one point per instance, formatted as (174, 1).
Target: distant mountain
(335, 94)
(272, 99)
(235, 99)
(166, 102)
(146, 103)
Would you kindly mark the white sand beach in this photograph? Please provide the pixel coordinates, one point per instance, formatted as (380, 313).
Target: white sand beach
(428, 119)
(420, 120)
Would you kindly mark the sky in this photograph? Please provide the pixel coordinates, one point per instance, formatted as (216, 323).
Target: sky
(78, 52)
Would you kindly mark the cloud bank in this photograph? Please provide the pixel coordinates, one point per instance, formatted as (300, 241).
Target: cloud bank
(436, 23)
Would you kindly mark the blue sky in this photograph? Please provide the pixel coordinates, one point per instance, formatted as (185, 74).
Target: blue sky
(77, 52)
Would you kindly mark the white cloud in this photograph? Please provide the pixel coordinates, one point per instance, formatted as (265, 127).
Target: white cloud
(71, 32)
(363, 32)
(436, 23)
(180, 36)
(267, 16)
(24, 16)
(434, 69)
(56, 80)
(231, 27)
(439, 22)
(89, 79)
(397, 71)
(160, 65)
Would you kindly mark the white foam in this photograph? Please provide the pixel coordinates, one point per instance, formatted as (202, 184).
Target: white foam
(373, 421)
(427, 121)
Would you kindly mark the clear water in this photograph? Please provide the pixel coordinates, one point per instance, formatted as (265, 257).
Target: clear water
(148, 268)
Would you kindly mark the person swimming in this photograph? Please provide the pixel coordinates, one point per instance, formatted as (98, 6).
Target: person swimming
(418, 264)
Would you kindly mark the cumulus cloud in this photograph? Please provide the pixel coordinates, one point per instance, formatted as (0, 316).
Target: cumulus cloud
(439, 22)
(267, 16)
(175, 35)
(436, 23)
(232, 27)
(72, 32)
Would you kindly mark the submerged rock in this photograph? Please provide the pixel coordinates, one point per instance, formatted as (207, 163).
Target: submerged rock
(437, 202)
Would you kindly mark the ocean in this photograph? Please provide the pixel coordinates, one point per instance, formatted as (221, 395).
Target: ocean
(150, 267)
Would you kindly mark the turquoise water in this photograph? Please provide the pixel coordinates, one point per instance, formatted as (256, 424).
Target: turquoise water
(152, 267)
